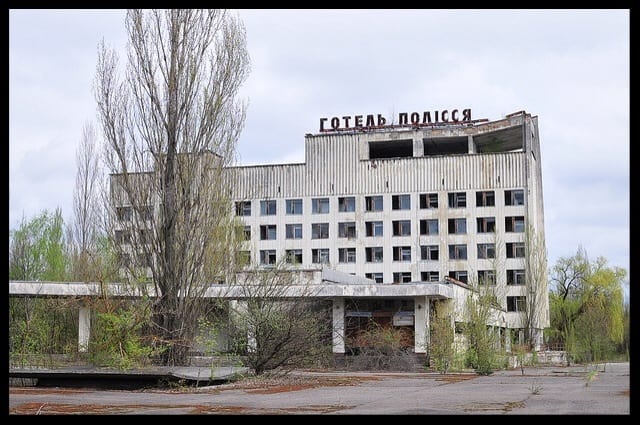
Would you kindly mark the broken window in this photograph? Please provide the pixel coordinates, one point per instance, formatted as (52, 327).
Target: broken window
(268, 207)
(486, 199)
(268, 232)
(347, 229)
(429, 227)
(486, 224)
(429, 252)
(514, 224)
(294, 231)
(267, 256)
(515, 249)
(516, 303)
(457, 226)
(401, 227)
(428, 200)
(320, 256)
(401, 253)
(373, 228)
(401, 202)
(243, 208)
(373, 203)
(515, 277)
(294, 256)
(346, 255)
(514, 197)
(294, 206)
(320, 205)
(457, 200)
(377, 277)
(458, 252)
(247, 233)
(486, 250)
(347, 204)
(374, 254)
(401, 277)
(486, 277)
(430, 276)
(320, 231)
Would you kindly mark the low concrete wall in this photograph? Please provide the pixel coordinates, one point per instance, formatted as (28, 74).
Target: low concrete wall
(542, 357)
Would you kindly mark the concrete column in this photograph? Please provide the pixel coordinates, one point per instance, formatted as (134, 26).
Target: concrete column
(471, 144)
(421, 324)
(84, 329)
(507, 340)
(338, 326)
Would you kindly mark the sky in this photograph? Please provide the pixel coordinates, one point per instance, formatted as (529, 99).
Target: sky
(570, 68)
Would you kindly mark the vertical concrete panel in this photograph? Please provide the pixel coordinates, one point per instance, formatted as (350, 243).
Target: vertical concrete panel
(84, 329)
(421, 323)
(338, 326)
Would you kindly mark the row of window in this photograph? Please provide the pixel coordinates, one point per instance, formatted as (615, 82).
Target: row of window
(347, 229)
(375, 254)
(376, 202)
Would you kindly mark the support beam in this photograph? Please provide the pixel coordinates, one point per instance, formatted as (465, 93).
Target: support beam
(421, 324)
(84, 329)
(338, 326)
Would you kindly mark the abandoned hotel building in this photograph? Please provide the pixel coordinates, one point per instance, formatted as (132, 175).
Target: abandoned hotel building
(396, 218)
(387, 221)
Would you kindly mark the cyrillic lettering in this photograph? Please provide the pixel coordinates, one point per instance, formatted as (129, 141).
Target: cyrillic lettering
(346, 121)
(335, 123)
(358, 121)
(370, 121)
(444, 114)
(454, 115)
(466, 115)
(426, 118)
(415, 118)
(403, 118)
(381, 120)
(322, 120)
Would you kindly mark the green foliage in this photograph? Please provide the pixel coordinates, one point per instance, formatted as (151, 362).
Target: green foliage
(587, 308)
(482, 349)
(118, 341)
(441, 346)
(37, 250)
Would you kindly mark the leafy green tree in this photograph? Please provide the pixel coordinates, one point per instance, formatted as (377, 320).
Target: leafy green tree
(441, 340)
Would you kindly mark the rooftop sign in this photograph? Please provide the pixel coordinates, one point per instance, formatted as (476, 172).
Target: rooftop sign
(413, 119)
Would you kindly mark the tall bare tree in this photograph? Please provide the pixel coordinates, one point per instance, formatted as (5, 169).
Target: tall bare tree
(171, 126)
(537, 298)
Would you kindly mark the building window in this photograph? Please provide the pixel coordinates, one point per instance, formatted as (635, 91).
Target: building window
(458, 200)
(247, 233)
(294, 231)
(294, 256)
(124, 213)
(429, 227)
(320, 256)
(401, 228)
(515, 249)
(514, 224)
(486, 224)
(514, 197)
(515, 277)
(516, 303)
(346, 255)
(429, 252)
(401, 202)
(146, 213)
(401, 253)
(486, 250)
(373, 203)
(377, 277)
(320, 231)
(347, 229)
(429, 276)
(124, 259)
(243, 208)
(457, 226)
(320, 205)
(243, 258)
(457, 252)
(374, 254)
(268, 232)
(486, 277)
(460, 275)
(347, 204)
(401, 277)
(486, 199)
(428, 200)
(268, 207)
(123, 236)
(373, 228)
(294, 206)
(267, 256)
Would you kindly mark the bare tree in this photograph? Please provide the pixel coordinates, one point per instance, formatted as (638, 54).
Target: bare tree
(537, 301)
(171, 127)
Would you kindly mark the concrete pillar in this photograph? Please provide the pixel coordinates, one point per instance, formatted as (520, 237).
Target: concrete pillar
(338, 326)
(471, 144)
(507, 340)
(421, 324)
(84, 329)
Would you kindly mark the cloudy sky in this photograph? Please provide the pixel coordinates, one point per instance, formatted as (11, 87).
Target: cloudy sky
(568, 67)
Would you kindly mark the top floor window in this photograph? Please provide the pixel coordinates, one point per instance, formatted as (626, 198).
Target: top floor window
(428, 200)
(401, 202)
(320, 205)
(268, 207)
(294, 206)
(457, 200)
(486, 199)
(347, 204)
(514, 197)
(373, 203)
(243, 208)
